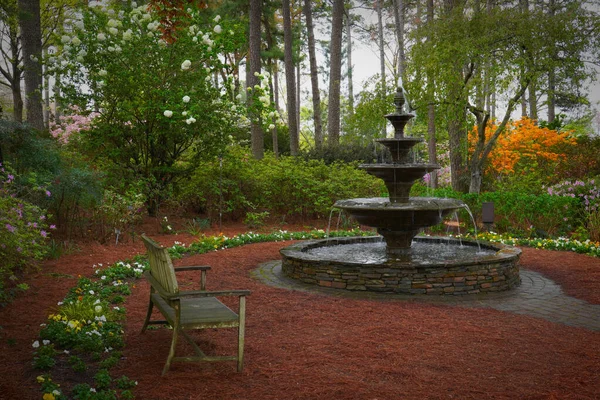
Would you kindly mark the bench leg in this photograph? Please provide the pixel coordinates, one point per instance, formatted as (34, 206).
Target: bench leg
(176, 328)
(171, 351)
(241, 333)
(148, 314)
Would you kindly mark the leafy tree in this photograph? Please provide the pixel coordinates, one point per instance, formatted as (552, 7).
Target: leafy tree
(514, 52)
(159, 111)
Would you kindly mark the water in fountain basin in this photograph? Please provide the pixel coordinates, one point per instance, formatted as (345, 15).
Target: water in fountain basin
(420, 253)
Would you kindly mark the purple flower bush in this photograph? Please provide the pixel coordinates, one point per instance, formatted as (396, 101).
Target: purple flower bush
(24, 233)
(588, 192)
(585, 190)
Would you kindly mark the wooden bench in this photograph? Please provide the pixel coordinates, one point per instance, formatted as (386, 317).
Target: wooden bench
(193, 309)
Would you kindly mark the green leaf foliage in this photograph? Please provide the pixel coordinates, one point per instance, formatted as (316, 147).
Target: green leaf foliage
(288, 186)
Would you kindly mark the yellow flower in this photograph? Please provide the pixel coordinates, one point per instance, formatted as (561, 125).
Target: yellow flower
(40, 379)
(48, 396)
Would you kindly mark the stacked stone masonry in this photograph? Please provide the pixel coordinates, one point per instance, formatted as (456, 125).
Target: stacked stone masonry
(466, 278)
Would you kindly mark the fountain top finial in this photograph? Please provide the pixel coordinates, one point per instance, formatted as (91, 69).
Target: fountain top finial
(399, 100)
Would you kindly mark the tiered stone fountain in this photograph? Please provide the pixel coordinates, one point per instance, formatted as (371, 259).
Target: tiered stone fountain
(396, 261)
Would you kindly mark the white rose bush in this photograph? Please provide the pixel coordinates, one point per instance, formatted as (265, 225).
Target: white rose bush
(158, 107)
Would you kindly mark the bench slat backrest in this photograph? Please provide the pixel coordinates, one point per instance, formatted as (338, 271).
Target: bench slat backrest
(161, 266)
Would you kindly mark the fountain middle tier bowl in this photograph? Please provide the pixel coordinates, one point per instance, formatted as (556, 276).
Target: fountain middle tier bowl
(399, 171)
(417, 213)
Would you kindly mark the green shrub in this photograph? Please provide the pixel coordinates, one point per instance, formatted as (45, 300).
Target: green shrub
(288, 186)
(24, 232)
(517, 212)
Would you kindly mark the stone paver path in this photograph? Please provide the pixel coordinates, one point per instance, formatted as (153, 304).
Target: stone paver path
(537, 296)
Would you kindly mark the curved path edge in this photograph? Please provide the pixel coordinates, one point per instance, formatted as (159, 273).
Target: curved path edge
(537, 296)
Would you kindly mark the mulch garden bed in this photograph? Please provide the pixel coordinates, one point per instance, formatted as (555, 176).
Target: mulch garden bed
(309, 346)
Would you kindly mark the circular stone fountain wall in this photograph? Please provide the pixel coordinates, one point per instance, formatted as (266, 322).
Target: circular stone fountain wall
(436, 266)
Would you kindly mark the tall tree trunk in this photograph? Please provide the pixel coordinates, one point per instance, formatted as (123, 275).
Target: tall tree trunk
(15, 83)
(17, 100)
(524, 4)
(31, 39)
(272, 97)
(335, 74)
(381, 54)
(275, 94)
(290, 80)
(298, 92)
(551, 96)
(349, 61)
(551, 76)
(399, 17)
(256, 133)
(314, 75)
(533, 110)
(431, 140)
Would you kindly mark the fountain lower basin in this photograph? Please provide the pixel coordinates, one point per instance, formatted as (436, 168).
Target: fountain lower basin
(433, 266)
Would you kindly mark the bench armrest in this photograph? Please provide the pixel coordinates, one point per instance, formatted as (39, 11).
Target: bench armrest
(202, 268)
(193, 268)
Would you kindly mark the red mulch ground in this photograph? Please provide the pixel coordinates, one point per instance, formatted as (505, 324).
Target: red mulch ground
(308, 346)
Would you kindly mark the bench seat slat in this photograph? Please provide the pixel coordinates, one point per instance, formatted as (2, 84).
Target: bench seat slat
(198, 312)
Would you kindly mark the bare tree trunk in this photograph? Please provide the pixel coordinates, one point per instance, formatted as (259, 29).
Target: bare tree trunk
(335, 74)
(533, 110)
(349, 61)
(290, 79)
(31, 39)
(17, 100)
(256, 133)
(314, 75)
(298, 92)
(15, 83)
(431, 140)
(273, 96)
(381, 54)
(399, 14)
(551, 77)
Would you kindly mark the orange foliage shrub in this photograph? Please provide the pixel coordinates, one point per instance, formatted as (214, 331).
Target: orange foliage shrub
(523, 141)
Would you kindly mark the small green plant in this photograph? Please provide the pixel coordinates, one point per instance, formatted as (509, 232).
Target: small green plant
(111, 361)
(165, 226)
(85, 309)
(102, 379)
(77, 364)
(196, 226)
(580, 234)
(593, 225)
(125, 383)
(44, 357)
(255, 220)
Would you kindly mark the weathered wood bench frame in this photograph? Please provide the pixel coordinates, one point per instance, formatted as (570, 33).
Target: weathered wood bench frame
(193, 309)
